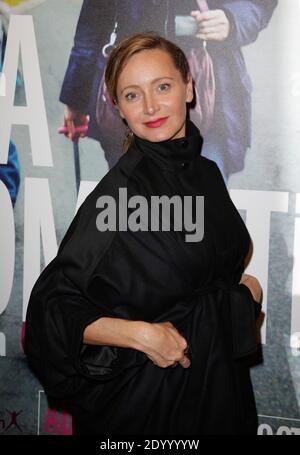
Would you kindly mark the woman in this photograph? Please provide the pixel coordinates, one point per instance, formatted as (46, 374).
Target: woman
(116, 308)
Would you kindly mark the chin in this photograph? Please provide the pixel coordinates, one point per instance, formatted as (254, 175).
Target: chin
(158, 136)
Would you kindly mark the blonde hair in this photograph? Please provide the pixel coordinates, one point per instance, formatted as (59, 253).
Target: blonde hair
(132, 45)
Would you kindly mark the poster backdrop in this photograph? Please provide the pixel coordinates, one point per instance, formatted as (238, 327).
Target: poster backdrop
(43, 179)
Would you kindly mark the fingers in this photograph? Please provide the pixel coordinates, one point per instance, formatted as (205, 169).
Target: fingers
(85, 122)
(185, 362)
(171, 349)
(183, 345)
(254, 285)
(176, 332)
(161, 362)
(204, 24)
(210, 15)
(212, 25)
(210, 36)
(204, 16)
(68, 123)
(72, 121)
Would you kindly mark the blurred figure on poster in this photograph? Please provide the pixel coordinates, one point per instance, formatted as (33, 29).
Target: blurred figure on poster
(226, 28)
(9, 172)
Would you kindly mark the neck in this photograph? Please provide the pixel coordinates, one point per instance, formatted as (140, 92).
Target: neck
(172, 153)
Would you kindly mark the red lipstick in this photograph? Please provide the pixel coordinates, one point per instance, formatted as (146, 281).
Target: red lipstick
(156, 123)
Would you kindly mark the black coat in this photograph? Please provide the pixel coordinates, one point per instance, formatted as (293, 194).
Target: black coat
(151, 276)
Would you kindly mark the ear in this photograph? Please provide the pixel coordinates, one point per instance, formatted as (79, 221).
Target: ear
(120, 112)
(189, 89)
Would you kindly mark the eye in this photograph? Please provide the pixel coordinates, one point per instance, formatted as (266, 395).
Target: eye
(130, 96)
(164, 87)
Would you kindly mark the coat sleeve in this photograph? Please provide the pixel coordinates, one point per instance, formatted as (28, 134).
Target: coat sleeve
(247, 19)
(244, 310)
(64, 300)
(93, 30)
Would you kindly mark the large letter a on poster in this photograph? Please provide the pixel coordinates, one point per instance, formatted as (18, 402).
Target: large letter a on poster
(21, 36)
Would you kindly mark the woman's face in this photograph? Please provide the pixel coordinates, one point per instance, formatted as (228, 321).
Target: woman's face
(151, 88)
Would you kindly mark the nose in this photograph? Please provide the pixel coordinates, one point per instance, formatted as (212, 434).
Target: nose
(150, 104)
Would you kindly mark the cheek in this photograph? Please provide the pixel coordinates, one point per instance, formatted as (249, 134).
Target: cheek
(177, 103)
(132, 111)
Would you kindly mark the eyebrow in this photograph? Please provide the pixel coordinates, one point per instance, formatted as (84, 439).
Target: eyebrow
(154, 80)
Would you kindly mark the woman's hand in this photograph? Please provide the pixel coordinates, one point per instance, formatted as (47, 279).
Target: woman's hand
(164, 345)
(73, 119)
(212, 24)
(253, 284)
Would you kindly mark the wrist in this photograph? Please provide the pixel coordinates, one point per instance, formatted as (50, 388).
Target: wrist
(76, 111)
(231, 37)
(141, 335)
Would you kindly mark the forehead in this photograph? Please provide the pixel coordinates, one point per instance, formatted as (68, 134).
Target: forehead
(146, 65)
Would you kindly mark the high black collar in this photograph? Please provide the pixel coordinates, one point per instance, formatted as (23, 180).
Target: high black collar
(173, 153)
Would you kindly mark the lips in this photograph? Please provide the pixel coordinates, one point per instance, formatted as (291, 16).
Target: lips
(156, 123)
